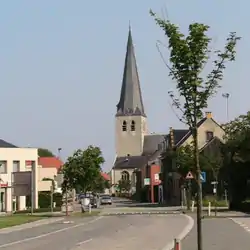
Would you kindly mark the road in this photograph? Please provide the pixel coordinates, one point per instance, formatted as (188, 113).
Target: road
(148, 232)
(221, 234)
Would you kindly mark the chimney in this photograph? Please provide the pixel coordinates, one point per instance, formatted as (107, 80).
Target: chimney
(171, 133)
(208, 115)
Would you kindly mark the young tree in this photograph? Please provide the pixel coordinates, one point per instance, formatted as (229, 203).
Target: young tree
(44, 152)
(82, 169)
(100, 184)
(124, 185)
(188, 57)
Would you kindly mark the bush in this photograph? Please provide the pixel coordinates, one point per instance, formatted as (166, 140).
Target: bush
(44, 199)
(38, 210)
(244, 206)
(214, 202)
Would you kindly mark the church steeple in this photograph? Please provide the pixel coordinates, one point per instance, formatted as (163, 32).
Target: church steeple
(130, 103)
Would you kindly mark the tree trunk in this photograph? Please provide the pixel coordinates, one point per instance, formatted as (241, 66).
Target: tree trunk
(199, 188)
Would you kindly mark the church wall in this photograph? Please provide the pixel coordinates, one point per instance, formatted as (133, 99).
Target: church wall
(130, 142)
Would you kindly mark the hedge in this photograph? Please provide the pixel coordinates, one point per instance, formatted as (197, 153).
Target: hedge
(38, 210)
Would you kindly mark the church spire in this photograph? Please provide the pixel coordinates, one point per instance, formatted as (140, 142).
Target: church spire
(131, 98)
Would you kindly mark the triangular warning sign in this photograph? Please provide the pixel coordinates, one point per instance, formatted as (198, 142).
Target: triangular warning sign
(189, 175)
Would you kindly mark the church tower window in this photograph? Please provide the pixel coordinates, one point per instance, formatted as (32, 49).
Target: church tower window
(124, 126)
(133, 126)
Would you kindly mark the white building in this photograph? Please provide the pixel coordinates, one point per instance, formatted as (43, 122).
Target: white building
(14, 159)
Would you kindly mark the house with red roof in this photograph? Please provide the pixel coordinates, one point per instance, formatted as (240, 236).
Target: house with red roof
(50, 162)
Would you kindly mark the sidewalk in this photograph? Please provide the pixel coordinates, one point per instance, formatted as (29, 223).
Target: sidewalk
(219, 234)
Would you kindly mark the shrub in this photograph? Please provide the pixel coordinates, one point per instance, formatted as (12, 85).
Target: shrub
(38, 210)
(44, 199)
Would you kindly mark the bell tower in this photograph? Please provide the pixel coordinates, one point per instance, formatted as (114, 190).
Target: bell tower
(130, 119)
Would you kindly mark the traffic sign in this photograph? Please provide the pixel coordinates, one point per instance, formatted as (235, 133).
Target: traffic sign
(203, 177)
(189, 176)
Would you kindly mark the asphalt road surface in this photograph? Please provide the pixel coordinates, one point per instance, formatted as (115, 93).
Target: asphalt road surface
(148, 232)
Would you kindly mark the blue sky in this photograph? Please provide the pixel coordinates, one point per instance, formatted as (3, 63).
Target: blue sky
(61, 67)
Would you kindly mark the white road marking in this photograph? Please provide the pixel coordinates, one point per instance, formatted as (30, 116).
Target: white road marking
(48, 234)
(84, 242)
(241, 224)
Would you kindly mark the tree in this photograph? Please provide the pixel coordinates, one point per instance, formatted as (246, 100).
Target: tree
(238, 138)
(188, 57)
(124, 185)
(82, 169)
(100, 184)
(44, 152)
(236, 153)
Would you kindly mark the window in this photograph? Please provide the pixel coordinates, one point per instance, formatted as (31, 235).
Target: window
(16, 166)
(124, 126)
(133, 126)
(3, 167)
(209, 135)
(125, 175)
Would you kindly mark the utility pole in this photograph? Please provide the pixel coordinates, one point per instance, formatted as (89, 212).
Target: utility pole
(226, 96)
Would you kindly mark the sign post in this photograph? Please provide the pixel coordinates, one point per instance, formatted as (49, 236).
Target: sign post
(214, 183)
(189, 178)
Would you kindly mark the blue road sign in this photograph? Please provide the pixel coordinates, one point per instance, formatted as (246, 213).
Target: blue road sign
(203, 177)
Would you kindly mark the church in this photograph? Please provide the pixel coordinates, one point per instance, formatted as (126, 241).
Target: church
(135, 145)
(139, 152)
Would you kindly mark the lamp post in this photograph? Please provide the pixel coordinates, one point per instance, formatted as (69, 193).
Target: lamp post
(66, 191)
(226, 96)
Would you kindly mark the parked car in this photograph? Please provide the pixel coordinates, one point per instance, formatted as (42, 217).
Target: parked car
(106, 200)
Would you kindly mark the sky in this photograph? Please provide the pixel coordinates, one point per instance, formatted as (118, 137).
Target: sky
(61, 65)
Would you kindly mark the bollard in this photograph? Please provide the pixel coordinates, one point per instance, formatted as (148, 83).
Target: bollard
(209, 208)
(192, 208)
(89, 208)
(177, 244)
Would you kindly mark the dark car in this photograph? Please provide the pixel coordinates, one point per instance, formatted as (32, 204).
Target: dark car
(95, 201)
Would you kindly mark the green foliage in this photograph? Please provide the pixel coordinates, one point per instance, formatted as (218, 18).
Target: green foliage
(43, 152)
(238, 138)
(185, 162)
(39, 210)
(100, 184)
(124, 185)
(82, 169)
(188, 57)
(44, 199)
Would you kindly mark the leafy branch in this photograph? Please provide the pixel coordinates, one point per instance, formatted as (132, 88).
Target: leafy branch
(188, 56)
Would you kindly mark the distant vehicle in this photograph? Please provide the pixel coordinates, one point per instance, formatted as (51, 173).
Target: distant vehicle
(94, 199)
(106, 199)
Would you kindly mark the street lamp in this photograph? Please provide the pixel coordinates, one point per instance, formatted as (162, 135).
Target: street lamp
(226, 96)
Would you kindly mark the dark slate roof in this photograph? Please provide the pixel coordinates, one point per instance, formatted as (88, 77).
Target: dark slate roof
(5, 144)
(179, 134)
(188, 133)
(131, 98)
(152, 143)
(128, 162)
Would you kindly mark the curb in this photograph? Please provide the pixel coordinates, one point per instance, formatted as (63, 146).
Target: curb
(241, 224)
(139, 213)
(183, 234)
(30, 225)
